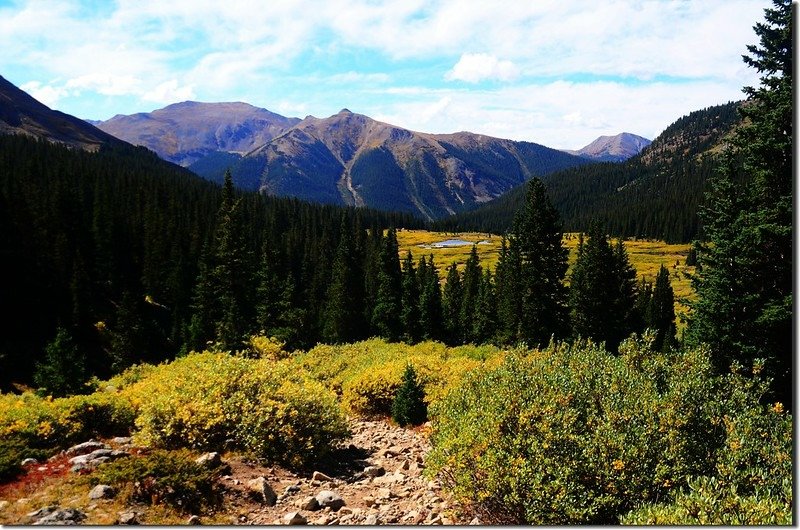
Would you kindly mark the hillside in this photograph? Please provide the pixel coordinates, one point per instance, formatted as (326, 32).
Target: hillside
(189, 131)
(22, 114)
(351, 159)
(655, 194)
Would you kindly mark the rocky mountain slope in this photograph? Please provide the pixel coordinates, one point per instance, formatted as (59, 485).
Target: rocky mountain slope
(22, 114)
(189, 131)
(351, 159)
(616, 148)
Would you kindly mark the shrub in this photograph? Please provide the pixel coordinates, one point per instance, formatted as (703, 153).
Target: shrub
(573, 434)
(205, 400)
(171, 477)
(409, 405)
(63, 370)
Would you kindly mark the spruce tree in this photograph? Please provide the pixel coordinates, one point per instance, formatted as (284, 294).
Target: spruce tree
(537, 234)
(509, 294)
(342, 316)
(470, 291)
(662, 312)
(276, 315)
(744, 305)
(63, 371)
(408, 407)
(484, 326)
(452, 297)
(430, 304)
(409, 314)
(386, 315)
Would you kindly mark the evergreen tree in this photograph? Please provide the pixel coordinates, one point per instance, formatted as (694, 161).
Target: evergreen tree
(430, 304)
(408, 407)
(601, 300)
(484, 326)
(385, 317)
(452, 297)
(508, 291)
(470, 292)
(342, 319)
(662, 312)
(63, 371)
(537, 234)
(410, 301)
(276, 315)
(744, 305)
(624, 301)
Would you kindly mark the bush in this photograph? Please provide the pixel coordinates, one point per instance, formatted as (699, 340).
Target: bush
(63, 370)
(171, 477)
(573, 434)
(205, 400)
(409, 406)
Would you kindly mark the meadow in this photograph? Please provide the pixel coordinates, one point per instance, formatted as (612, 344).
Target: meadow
(646, 256)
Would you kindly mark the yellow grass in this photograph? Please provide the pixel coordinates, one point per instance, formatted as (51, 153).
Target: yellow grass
(645, 256)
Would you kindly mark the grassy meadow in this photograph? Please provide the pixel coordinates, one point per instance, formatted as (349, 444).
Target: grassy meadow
(646, 256)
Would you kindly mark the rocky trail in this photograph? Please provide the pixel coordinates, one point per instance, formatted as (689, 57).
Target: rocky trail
(375, 479)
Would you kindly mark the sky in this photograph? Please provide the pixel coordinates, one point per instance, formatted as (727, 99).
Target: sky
(559, 73)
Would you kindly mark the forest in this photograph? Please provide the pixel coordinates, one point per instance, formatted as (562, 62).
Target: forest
(142, 300)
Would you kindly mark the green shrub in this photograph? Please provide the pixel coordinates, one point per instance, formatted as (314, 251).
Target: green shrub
(271, 409)
(573, 434)
(409, 405)
(63, 370)
(170, 477)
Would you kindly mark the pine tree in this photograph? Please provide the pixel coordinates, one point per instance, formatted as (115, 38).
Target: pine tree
(508, 292)
(744, 305)
(342, 317)
(63, 371)
(386, 315)
(470, 292)
(537, 235)
(410, 301)
(276, 315)
(624, 301)
(662, 312)
(452, 297)
(484, 326)
(408, 407)
(430, 304)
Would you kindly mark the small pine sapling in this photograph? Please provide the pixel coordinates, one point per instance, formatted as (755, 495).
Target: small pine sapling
(408, 407)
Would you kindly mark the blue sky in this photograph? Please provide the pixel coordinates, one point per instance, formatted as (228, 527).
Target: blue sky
(559, 73)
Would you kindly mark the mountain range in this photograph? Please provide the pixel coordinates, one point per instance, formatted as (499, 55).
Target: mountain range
(346, 159)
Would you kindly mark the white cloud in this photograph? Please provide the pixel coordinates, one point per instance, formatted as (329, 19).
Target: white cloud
(475, 67)
(106, 84)
(47, 94)
(169, 92)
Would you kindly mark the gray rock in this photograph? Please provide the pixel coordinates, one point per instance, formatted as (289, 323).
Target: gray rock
(122, 440)
(330, 499)
(291, 490)
(102, 491)
(128, 518)
(209, 460)
(86, 447)
(65, 516)
(374, 471)
(41, 512)
(372, 520)
(194, 520)
(294, 518)
(310, 504)
(29, 461)
(260, 488)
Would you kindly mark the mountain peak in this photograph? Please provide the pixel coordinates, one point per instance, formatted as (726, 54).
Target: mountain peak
(615, 148)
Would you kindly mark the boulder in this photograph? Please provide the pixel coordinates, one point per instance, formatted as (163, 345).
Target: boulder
(102, 491)
(330, 499)
(61, 516)
(128, 518)
(209, 460)
(320, 477)
(372, 520)
(260, 488)
(86, 447)
(29, 462)
(294, 518)
(194, 520)
(374, 471)
(310, 504)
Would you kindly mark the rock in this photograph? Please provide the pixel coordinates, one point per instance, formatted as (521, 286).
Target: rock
(310, 504)
(374, 471)
(402, 467)
(3, 505)
(330, 499)
(384, 493)
(86, 447)
(291, 490)
(369, 500)
(29, 462)
(41, 512)
(95, 458)
(102, 491)
(259, 488)
(209, 460)
(294, 518)
(320, 477)
(128, 518)
(194, 520)
(475, 522)
(122, 440)
(65, 516)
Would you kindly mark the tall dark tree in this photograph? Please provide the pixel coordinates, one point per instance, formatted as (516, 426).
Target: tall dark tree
(744, 305)
(63, 371)
(430, 303)
(624, 301)
(537, 234)
(385, 317)
(342, 316)
(409, 314)
(276, 315)
(661, 314)
(509, 294)
(452, 297)
(470, 291)
(484, 325)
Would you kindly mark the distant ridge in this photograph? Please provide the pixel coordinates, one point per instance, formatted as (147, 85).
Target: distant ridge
(616, 148)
